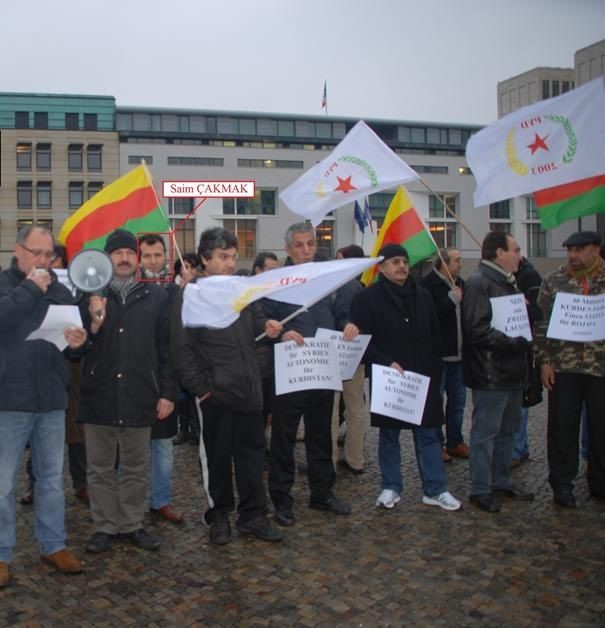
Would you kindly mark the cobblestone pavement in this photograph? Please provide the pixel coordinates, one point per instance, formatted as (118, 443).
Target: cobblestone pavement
(531, 564)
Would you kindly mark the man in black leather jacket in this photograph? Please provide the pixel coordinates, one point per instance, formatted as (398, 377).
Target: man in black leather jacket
(494, 368)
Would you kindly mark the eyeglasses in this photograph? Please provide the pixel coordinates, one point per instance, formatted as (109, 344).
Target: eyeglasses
(49, 255)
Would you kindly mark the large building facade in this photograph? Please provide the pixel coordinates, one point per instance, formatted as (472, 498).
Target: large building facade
(58, 150)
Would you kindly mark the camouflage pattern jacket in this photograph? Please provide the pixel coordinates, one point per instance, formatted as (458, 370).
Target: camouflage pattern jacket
(563, 355)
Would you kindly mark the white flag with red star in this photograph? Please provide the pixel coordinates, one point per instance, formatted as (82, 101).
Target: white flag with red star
(360, 165)
(549, 143)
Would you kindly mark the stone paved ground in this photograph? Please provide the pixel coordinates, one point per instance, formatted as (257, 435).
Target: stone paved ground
(532, 564)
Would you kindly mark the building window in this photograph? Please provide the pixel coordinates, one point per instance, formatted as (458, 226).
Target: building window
(444, 230)
(417, 136)
(40, 120)
(136, 160)
(76, 194)
(324, 236)
(90, 121)
(180, 206)
(184, 230)
(44, 195)
(555, 88)
(72, 122)
(43, 157)
(21, 119)
(247, 126)
(24, 157)
(94, 157)
(45, 223)
(505, 227)
(74, 157)
(263, 204)
(431, 169)
(537, 244)
(444, 233)
(285, 128)
(464, 170)
(545, 90)
(269, 163)
(500, 210)
(245, 230)
(195, 161)
(94, 187)
(379, 205)
(24, 194)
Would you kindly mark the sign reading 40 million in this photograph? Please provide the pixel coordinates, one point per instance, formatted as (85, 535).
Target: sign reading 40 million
(578, 318)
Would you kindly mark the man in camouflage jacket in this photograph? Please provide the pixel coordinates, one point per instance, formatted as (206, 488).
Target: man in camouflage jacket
(573, 373)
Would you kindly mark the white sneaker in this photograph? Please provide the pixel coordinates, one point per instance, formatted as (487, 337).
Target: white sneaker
(444, 500)
(387, 499)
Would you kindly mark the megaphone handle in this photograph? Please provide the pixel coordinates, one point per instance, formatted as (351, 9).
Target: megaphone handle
(99, 314)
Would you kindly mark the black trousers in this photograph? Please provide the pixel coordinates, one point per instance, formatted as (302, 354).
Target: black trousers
(232, 438)
(564, 411)
(316, 406)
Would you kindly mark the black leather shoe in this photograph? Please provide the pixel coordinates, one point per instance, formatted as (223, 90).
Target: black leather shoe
(99, 542)
(484, 502)
(514, 493)
(333, 505)
(285, 517)
(565, 500)
(343, 464)
(261, 528)
(220, 529)
(140, 538)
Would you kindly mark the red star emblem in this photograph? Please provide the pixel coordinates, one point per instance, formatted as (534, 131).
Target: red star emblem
(344, 185)
(539, 142)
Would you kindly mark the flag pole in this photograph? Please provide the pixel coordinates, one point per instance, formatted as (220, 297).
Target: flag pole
(283, 321)
(450, 212)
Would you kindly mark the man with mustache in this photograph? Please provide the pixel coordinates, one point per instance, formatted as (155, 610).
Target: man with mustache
(126, 385)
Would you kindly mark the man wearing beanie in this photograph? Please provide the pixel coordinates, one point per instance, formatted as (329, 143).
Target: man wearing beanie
(126, 386)
(401, 318)
(494, 368)
(573, 373)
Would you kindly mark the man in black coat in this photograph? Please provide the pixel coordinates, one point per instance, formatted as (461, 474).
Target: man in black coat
(401, 318)
(494, 367)
(219, 367)
(447, 297)
(126, 386)
(33, 399)
(153, 267)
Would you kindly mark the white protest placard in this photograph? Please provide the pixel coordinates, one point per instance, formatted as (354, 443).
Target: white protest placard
(313, 365)
(398, 396)
(577, 317)
(349, 352)
(509, 315)
(58, 318)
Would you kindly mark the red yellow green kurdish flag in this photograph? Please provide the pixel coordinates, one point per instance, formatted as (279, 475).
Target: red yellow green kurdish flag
(129, 203)
(402, 225)
(571, 200)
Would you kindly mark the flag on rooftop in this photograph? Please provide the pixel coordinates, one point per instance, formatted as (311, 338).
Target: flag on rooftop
(324, 98)
(402, 225)
(543, 145)
(130, 203)
(361, 164)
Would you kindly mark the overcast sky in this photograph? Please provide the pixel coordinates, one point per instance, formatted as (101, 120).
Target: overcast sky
(422, 60)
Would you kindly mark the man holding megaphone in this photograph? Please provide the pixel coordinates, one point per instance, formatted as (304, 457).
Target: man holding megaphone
(126, 385)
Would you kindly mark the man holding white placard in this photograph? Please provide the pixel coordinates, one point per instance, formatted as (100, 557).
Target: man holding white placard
(401, 318)
(315, 404)
(573, 366)
(494, 360)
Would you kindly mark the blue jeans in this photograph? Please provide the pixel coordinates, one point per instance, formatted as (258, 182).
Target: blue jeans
(427, 446)
(46, 433)
(521, 440)
(452, 384)
(162, 457)
(496, 415)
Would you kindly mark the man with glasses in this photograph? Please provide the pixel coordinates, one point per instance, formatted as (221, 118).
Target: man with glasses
(33, 380)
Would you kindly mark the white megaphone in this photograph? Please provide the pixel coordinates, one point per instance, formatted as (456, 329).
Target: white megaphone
(91, 271)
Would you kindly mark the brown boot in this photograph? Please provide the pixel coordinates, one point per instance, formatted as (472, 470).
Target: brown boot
(63, 561)
(5, 576)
